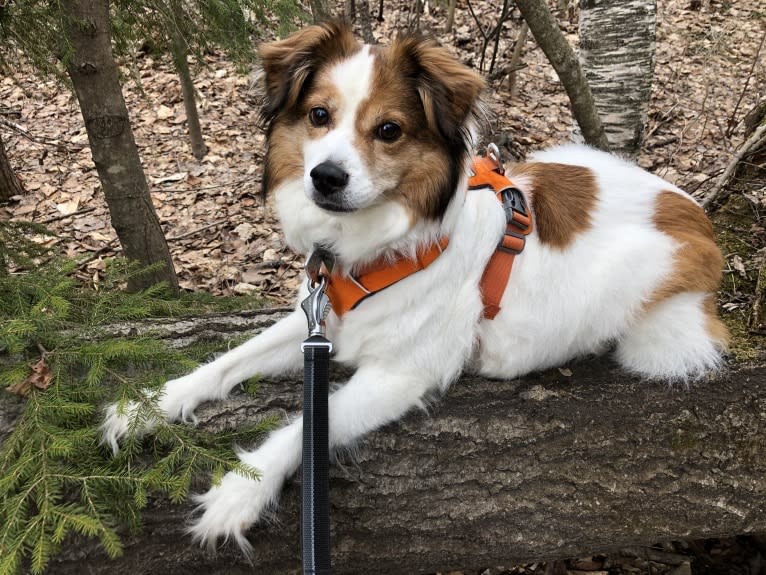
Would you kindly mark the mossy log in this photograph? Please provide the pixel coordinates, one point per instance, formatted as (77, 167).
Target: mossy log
(561, 463)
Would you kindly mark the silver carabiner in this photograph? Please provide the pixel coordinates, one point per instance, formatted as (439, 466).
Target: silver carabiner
(493, 153)
(317, 305)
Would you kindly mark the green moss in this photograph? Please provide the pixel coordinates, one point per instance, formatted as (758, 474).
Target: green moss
(733, 222)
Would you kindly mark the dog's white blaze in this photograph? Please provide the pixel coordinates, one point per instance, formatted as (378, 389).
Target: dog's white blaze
(352, 78)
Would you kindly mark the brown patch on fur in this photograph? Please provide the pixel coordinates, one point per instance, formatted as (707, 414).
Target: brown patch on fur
(288, 64)
(698, 261)
(715, 328)
(421, 87)
(563, 198)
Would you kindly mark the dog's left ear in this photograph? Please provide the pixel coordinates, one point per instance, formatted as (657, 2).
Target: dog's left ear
(288, 64)
(449, 91)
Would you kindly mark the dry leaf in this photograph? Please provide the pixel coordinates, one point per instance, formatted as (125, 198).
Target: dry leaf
(40, 378)
(163, 113)
(739, 265)
(177, 177)
(70, 207)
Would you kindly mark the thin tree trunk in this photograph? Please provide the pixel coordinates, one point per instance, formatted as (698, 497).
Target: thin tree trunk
(516, 59)
(617, 53)
(9, 183)
(546, 31)
(450, 16)
(349, 10)
(94, 75)
(180, 52)
(364, 20)
(320, 10)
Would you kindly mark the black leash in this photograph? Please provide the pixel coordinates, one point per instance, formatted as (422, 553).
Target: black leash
(315, 502)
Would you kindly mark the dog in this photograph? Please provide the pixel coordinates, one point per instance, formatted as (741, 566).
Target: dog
(370, 157)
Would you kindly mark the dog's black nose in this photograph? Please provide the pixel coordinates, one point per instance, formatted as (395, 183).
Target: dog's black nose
(328, 178)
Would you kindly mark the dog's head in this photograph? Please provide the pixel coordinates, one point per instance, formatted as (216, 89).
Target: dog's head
(359, 126)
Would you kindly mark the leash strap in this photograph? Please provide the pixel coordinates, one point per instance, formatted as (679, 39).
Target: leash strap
(315, 486)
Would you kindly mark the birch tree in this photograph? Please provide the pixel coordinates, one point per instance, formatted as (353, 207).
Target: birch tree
(617, 54)
(562, 57)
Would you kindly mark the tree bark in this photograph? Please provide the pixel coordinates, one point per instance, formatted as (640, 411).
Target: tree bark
(545, 29)
(320, 10)
(552, 465)
(180, 53)
(365, 21)
(617, 53)
(9, 183)
(94, 75)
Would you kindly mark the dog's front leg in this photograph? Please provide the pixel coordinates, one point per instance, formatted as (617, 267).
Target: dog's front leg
(275, 351)
(375, 396)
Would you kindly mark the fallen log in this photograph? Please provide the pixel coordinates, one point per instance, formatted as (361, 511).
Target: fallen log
(562, 463)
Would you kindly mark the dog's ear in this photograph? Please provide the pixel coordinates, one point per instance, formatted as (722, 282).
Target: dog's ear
(288, 64)
(449, 91)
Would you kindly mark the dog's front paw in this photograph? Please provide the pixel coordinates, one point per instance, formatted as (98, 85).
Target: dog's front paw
(118, 420)
(175, 401)
(230, 508)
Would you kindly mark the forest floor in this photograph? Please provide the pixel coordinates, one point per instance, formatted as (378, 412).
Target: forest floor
(711, 70)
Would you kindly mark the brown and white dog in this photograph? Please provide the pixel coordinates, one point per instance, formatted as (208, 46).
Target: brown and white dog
(369, 153)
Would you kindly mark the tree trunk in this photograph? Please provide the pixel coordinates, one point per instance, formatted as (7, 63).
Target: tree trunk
(349, 10)
(180, 53)
(617, 53)
(552, 465)
(365, 21)
(9, 183)
(320, 10)
(546, 31)
(518, 47)
(94, 75)
(450, 16)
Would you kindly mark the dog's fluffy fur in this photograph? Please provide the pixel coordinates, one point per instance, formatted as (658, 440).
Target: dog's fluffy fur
(618, 257)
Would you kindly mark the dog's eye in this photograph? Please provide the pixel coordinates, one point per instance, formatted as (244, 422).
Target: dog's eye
(319, 116)
(389, 131)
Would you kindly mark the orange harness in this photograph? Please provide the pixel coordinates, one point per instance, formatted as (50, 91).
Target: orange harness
(346, 291)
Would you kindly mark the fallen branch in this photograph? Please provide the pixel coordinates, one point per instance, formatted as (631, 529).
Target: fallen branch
(562, 463)
(756, 139)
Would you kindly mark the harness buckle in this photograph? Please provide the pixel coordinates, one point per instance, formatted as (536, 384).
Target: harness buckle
(512, 242)
(513, 201)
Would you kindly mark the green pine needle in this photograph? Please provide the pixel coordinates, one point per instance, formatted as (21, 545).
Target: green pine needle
(55, 477)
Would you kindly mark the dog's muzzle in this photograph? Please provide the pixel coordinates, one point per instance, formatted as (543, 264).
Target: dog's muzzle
(330, 181)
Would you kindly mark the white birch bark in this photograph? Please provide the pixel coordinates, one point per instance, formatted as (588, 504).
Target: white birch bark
(617, 53)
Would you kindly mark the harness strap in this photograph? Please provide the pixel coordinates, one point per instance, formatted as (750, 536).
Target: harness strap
(346, 291)
(489, 173)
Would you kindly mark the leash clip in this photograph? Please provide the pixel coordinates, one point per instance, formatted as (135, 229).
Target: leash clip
(493, 154)
(317, 305)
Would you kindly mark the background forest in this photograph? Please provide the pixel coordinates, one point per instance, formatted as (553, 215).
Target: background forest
(704, 132)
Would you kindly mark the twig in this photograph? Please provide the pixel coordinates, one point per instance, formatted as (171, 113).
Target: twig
(37, 139)
(65, 216)
(97, 253)
(516, 58)
(10, 112)
(756, 139)
(732, 123)
(196, 231)
(754, 324)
